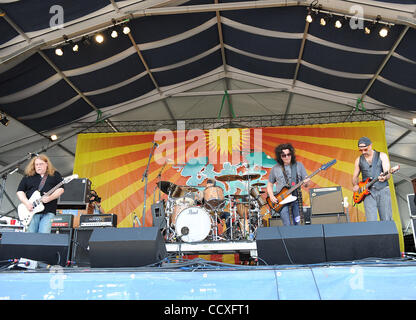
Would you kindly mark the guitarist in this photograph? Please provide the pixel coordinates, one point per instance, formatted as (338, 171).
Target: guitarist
(372, 164)
(40, 175)
(285, 173)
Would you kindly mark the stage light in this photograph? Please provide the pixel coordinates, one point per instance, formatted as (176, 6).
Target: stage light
(75, 47)
(59, 51)
(338, 24)
(3, 119)
(114, 34)
(367, 30)
(384, 31)
(99, 38)
(325, 20)
(309, 17)
(126, 30)
(54, 137)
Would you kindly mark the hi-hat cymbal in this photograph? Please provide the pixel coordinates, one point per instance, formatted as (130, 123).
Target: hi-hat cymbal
(166, 186)
(250, 176)
(228, 177)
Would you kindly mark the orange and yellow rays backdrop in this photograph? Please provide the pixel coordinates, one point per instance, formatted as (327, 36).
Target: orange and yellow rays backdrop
(115, 162)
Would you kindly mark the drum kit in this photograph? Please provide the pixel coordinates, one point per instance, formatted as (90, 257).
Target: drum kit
(203, 213)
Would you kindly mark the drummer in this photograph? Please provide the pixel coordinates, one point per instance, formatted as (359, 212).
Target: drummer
(225, 215)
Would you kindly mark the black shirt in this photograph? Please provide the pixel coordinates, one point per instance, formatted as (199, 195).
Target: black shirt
(30, 184)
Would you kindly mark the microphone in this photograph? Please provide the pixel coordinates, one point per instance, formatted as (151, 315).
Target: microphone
(155, 143)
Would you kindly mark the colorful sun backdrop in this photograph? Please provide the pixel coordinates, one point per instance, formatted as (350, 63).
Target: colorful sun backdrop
(115, 162)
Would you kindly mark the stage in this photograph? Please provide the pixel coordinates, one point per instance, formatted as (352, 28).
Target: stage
(347, 261)
(198, 279)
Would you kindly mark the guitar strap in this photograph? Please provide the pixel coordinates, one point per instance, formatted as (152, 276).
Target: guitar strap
(294, 177)
(42, 182)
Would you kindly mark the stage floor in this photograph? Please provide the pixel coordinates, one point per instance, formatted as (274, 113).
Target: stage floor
(199, 279)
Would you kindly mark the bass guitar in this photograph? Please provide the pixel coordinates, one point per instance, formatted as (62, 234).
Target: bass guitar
(25, 215)
(285, 195)
(365, 185)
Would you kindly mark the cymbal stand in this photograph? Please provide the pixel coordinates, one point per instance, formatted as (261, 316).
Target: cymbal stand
(168, 212)
(145, 177)
(247, 218)
(216, 209)
(233, 216)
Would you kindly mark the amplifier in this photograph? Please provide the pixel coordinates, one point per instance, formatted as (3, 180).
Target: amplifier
(76, 195)
(63, 221)
(326, 200)
(98, 220)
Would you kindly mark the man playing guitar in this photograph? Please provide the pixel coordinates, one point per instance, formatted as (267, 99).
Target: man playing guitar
(40, 175)
(285, 173)
(373, 164)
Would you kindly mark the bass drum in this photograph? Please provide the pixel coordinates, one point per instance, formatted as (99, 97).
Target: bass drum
(193, 224)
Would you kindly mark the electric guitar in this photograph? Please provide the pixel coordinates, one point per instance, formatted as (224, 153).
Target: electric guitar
(25, 215)
(363, 191)
(285, 195)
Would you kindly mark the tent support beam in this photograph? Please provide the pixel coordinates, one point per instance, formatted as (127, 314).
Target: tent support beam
(69, 82)
(383, 64)
(149, 72)
(224, 60)
(302, 47)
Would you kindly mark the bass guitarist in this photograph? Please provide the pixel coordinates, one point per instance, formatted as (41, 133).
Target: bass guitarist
(286, 173)
(373, 164)
(40, 175)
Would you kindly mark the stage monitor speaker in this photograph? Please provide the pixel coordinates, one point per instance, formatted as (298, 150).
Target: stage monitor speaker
(49, 248)
(70, 233)
(76, 194)
(158, 214)
(360, 240)
(80, 247)
(326, 200)
(126, 247)
(291, 245)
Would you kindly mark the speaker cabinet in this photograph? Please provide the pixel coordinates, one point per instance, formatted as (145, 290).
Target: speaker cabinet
(80, 247)
(326, 200)
(75, 195)
(126, 247)
(291, 245)
(158, 214)
(49, 248)
(360, 240)
(275, 222)
(70, 233)
(329, 218)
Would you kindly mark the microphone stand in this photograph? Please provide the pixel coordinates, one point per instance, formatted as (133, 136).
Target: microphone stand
(145, 177)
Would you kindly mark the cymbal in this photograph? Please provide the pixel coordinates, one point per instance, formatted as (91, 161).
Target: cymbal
(166, 186)
(250, 176)
(258, 184)
(188, 189)
(229, 177)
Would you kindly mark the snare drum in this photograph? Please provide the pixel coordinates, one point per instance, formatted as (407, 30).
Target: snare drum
(193, 224)
(213, 197)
